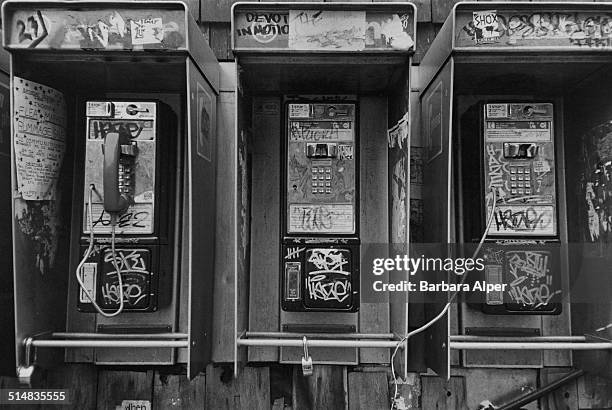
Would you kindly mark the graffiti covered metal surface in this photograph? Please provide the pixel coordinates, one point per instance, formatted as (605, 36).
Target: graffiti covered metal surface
(302, 29)
(93, 27)
(533, 28)
(321, 174)
(519, 162)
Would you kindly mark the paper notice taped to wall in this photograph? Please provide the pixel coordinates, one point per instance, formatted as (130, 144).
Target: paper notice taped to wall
(39, 116)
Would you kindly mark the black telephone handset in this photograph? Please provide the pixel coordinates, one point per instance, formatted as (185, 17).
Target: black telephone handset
(119, 153)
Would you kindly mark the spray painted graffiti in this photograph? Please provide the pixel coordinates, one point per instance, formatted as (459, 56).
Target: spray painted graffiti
(596, 184)
(320, 131)
(330, 281)
(532, 281)
(527, 219)
(95, 29)
(494, 256)
(327, 29)
(497, 168)
(399, 195)
(592, 30)
(317, 218)
(136, 219)
(264, 27)
(321, 218)
(335, 30)
(388, 31)
(33, 30)
(132, 265)
(294, 253)
(39, 222)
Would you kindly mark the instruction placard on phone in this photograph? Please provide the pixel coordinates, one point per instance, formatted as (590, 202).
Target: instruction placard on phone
(40, 135)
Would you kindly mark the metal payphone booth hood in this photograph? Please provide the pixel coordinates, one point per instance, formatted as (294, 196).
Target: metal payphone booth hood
(347, 47)
(80, 63)
(536, 63)
(341, 72)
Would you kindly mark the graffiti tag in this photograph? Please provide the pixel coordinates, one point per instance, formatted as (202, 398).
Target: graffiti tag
(528, 219)
(579, 29)
(131, 264)
(330, 282)
(531, 279)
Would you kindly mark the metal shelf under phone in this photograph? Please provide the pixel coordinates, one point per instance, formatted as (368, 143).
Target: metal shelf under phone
(93, 340)
(272, 339)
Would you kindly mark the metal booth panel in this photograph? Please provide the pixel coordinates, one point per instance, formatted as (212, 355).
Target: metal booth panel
(438, 199)
(201, 171)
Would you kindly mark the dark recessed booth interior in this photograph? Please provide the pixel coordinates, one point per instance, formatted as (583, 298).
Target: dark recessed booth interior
(577, 87)
(380, 90)
(575, 81)
(52, 236)
(377, 82)
(108, 79)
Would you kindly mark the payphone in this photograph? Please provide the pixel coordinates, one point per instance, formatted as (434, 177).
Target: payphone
(313, 208)
(320, 244)
(516, 145)
(114, 231)
(125, 195)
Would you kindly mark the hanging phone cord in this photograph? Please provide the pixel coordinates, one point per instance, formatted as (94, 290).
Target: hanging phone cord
(113, 223)
(427, 325)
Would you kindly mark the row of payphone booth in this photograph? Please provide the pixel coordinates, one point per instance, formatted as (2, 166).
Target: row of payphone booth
(170, 209)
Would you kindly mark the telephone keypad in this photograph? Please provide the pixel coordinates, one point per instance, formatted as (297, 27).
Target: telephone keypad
(125, 178)
(321, 179)
(520, 179)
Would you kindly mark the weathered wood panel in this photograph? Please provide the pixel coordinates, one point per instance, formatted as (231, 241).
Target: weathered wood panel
(220, 41)
(565, 397)
(114, 386)
(264, 310)
(426, 32)
(499, 386)
(368, 391)
(594, 392)
(205, 29)
(440, 394)
(81, 379)
(223, 320)
(440, 9)
(216, 10)
(374, 209)
(250, 391)
(324, 389)
(178, 392)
